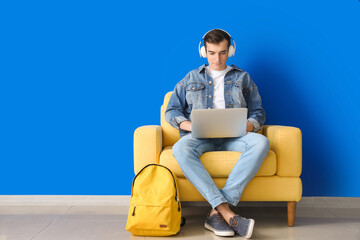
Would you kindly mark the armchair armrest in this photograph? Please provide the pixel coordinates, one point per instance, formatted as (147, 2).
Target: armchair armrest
(286, 142)
(147, 146)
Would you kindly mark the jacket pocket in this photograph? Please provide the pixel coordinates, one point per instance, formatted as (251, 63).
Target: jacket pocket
(238, 94)
(195, 93)
(195, 87)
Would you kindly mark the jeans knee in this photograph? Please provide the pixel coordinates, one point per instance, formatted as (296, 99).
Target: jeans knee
(182, 152)
(264, 143)
(177, 150)
(261, 143)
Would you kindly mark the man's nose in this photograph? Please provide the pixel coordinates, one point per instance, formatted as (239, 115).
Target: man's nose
(217, 57)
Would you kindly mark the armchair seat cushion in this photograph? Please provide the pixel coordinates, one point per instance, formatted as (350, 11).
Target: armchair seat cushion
(219, 164)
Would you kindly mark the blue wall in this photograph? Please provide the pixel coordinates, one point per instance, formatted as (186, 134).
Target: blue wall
(77, 78)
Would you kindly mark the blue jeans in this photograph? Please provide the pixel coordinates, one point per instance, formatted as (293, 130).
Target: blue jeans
(187, 151)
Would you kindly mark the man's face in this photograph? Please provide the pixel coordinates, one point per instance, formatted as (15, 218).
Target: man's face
(217, 54)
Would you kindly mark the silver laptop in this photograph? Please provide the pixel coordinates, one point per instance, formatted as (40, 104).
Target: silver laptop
(219, 123)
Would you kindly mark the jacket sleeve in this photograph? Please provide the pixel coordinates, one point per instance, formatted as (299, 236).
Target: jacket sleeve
(256, 111)
(174, 113)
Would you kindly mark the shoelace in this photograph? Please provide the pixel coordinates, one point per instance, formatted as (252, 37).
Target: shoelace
(234, 222)
(221, 218)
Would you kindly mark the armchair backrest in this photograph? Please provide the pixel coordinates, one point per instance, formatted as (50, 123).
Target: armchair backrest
(170, 134)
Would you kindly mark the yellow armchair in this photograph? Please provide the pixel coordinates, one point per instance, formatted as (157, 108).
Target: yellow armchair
(278, 179)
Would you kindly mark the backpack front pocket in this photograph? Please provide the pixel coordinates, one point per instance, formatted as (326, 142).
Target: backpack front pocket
(149, 217)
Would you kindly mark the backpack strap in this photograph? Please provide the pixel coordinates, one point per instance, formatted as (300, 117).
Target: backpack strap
(183, 222)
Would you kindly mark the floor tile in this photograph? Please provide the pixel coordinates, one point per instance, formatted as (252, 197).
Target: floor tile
(89, 222)
(34, 209)
(108, 222)
(349, 215)
(25, 222)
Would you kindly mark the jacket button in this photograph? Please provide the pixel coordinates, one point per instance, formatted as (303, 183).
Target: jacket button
(193, 88)
(210, 96)
(210, 82)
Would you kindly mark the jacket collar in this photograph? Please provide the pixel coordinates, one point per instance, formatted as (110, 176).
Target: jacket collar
(202, 68)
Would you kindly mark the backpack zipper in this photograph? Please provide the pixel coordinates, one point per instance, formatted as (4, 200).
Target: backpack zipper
(133, 213)
(178, 201)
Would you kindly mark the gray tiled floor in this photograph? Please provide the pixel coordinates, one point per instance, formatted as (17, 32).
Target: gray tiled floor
(108, 222)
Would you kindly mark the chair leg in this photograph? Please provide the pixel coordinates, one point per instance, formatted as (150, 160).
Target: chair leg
(291, 211)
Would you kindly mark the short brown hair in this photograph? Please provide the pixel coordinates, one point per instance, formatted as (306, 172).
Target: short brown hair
(217, 36)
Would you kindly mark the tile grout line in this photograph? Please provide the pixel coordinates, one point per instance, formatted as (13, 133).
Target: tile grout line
(331, 213)
(56, 218)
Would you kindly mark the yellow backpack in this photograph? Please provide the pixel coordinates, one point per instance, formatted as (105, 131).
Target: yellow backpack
(155, 208)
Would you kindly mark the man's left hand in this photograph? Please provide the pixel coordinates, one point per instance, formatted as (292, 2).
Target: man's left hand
(249, 127)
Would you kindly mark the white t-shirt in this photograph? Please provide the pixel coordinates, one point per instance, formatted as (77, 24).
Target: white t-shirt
(218, 77)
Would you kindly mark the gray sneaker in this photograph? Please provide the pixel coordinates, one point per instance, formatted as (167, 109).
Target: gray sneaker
(242, 226)
(216, 223)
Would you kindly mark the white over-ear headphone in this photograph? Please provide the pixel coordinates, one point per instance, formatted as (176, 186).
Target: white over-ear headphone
(202, 50)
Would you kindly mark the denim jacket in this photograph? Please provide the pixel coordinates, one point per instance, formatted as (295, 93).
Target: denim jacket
(196, 91)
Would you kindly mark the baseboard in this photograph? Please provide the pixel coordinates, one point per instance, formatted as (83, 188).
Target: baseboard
(330, 202)
(308, 202)
(124, 200)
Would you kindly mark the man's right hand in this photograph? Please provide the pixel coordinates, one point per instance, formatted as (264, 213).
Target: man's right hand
(186, 125)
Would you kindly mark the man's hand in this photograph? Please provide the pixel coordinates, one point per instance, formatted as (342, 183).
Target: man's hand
(249, 127)
(186, 125)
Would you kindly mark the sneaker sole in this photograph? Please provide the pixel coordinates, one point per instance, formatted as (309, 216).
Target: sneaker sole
(250, 229)
(219, 233)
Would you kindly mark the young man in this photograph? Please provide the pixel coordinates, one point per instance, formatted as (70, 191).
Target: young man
(219, 86)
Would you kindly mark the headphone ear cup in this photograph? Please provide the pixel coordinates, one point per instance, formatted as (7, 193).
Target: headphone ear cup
(231, 51)
(203, 51)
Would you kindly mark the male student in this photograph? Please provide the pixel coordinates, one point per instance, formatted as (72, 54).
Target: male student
(215, 86)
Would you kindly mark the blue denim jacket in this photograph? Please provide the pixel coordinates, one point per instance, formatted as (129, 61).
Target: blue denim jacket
(196, 90)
